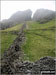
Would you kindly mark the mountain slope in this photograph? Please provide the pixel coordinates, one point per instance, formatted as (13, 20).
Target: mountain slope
(40, 40)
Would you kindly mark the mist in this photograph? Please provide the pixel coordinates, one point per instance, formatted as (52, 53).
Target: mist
(8, 8)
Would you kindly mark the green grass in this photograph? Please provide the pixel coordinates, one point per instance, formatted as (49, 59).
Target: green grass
(39, 43)
(14, 28)
(7, 37)
(6, 40)
(37, 25)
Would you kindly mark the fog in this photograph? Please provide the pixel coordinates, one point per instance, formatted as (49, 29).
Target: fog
(10, 7)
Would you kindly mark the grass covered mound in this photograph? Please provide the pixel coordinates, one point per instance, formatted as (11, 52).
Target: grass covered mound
(40, 40)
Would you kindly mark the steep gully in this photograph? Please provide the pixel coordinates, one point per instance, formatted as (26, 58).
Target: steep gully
(12, 62)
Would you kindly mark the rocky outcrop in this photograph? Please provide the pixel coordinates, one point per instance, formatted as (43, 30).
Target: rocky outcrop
(21, 16)
(43, 15)
(16, 18)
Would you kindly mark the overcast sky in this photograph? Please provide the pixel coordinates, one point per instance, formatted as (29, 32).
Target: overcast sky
(10, 7)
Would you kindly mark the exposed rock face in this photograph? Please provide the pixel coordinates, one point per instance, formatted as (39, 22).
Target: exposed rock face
(43, 15)
(18, 17)
(22, 16)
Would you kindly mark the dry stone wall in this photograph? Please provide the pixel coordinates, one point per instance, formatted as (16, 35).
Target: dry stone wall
(12, 62)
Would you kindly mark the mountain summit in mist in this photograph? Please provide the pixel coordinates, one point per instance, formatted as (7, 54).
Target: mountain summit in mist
(21, 16)
(43, 15)
(16, 18)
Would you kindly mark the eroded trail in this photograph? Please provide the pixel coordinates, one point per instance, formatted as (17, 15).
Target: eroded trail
(12, 62)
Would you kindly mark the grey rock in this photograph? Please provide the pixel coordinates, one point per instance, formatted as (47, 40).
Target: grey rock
(43, 15)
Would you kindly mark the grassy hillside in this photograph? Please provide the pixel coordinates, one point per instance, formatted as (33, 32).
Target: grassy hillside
(37, 25)
(40, 40)
(7, 37)
(14, 28)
